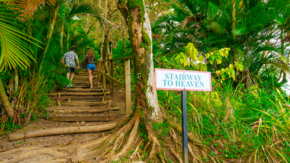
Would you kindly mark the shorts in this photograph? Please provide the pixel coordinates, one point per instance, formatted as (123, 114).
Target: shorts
(70, 70)
(91, 67)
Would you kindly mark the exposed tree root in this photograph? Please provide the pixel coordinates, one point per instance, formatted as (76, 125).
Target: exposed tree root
(146, 146)
(59, 131)
(93, 149)
(132, 157)
(87, 150)
(96, 148)
(173, 136)
(194, 157)
(115, 146)
(192, 137)
(175, 155)
(130, 140)
(197, 150)
(40, 153)
(175, 139)
(57, 161)
(156, 147)
(19, 150)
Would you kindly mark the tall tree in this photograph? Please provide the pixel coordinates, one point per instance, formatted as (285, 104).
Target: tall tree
(141, 39)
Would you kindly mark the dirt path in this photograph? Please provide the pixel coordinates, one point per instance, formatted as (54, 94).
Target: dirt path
(76, 107)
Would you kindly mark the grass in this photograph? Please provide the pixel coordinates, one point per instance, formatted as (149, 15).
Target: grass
(229, 113)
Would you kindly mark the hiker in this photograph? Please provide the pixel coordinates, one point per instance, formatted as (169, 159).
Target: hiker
(70, 58)
(89, 63)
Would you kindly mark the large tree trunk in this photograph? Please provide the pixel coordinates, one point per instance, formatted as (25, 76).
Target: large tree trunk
(7, 105)
(141, 40)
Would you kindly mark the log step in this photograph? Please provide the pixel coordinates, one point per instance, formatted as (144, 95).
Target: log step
(83, 111)
(78, 94)
(85, 76)
(96, 99)
(86, 86)
(84, 81)
(61, 130)
(84, 99)
(95, 118)
(84, 90)
(82, 103)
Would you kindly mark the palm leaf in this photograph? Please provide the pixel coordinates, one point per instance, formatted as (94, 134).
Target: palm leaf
(15, 50)
(29, 6)
(84, 8)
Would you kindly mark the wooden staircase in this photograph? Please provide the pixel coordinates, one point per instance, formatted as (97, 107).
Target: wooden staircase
(79, 103)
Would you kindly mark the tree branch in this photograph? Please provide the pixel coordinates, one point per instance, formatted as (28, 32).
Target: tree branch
(112, 24)
(124, 10)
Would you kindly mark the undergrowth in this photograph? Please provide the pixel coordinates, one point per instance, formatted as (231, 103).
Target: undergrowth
(229, 115)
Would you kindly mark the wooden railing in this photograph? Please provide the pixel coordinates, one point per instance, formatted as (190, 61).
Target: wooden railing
(102, 76)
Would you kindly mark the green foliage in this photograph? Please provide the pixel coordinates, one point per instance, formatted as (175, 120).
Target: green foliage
(8, 126)
(143, 132)
(212, 25)
(14, 43)
(228, 113)
(191, 59)
(120, 51)
(163, 128)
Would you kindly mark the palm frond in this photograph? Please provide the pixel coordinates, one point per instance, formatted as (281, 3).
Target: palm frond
(29, 6)
(84, 8)
(15, 51)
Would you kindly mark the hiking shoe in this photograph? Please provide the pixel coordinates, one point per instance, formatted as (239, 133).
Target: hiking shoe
(68, 86)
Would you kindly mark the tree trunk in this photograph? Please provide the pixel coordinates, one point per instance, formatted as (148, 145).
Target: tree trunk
(16, 80)
(8, 108)
(124, 41)
(61, 38)
(141, 40)
(68, 39)
(49, 36)
(106, 42)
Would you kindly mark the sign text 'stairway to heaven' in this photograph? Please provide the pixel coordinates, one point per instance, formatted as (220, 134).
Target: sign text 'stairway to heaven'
(167, 79)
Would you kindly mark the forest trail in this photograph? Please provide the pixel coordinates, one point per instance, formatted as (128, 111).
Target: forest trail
(68, 134)
(80, 103)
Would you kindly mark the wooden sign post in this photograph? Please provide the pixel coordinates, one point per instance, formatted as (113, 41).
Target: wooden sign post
(183, 80)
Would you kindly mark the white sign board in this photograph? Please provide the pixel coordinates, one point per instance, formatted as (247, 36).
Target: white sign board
(169, 79)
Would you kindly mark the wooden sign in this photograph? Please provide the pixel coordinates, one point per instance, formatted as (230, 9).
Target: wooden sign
(183, 80)
(169, 79)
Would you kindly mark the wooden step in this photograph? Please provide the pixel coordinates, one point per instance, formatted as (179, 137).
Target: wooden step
(61, 111)
(85, 99)
(86, 86)
(84, 81)
(83, 77)
(82, 103)
(84, 90)
(78, 94)
(95, 118)
(97, 98)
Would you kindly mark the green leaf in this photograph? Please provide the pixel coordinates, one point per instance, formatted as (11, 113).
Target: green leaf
(15, 50)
